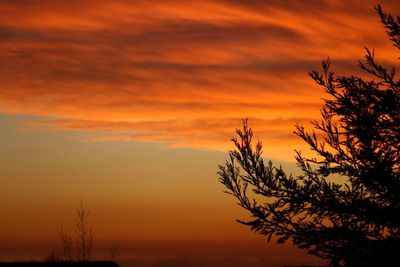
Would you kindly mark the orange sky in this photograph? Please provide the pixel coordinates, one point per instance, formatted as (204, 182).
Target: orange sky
(183, 74)
(167, 76)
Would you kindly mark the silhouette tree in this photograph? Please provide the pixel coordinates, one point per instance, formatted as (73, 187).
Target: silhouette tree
(67, 253)
(345, 206)
(82, 248)
(85, 234)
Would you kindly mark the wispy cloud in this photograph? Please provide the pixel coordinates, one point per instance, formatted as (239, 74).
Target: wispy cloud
(180, 73)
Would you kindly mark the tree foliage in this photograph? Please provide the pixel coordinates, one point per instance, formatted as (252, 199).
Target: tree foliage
(352, 219)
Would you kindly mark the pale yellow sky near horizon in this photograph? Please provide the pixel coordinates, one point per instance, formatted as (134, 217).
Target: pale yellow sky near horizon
(140, 196)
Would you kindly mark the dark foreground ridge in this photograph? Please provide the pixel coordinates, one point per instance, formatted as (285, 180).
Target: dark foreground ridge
(60, 264)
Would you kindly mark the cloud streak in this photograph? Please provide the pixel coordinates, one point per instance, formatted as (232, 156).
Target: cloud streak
(182, 74)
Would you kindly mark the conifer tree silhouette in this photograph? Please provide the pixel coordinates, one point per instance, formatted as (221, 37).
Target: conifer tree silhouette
(353, 219)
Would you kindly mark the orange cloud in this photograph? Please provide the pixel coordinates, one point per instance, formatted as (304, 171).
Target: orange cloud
(201, 133)
(183, 74)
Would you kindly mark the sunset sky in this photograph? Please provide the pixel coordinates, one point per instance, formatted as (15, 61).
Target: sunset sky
(129, 106)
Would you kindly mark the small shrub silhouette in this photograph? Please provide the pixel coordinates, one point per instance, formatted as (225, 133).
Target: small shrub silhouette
(80, 248)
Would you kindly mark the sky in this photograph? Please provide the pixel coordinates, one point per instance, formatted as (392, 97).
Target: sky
(129, 106)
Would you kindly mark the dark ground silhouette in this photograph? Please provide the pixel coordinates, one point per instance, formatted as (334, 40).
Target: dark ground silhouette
(60, 264)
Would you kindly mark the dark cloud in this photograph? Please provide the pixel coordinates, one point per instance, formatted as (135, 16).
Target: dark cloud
(8, 34)
(191, 32)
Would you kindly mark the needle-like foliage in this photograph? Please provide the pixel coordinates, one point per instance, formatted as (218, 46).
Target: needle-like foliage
(352, 219)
